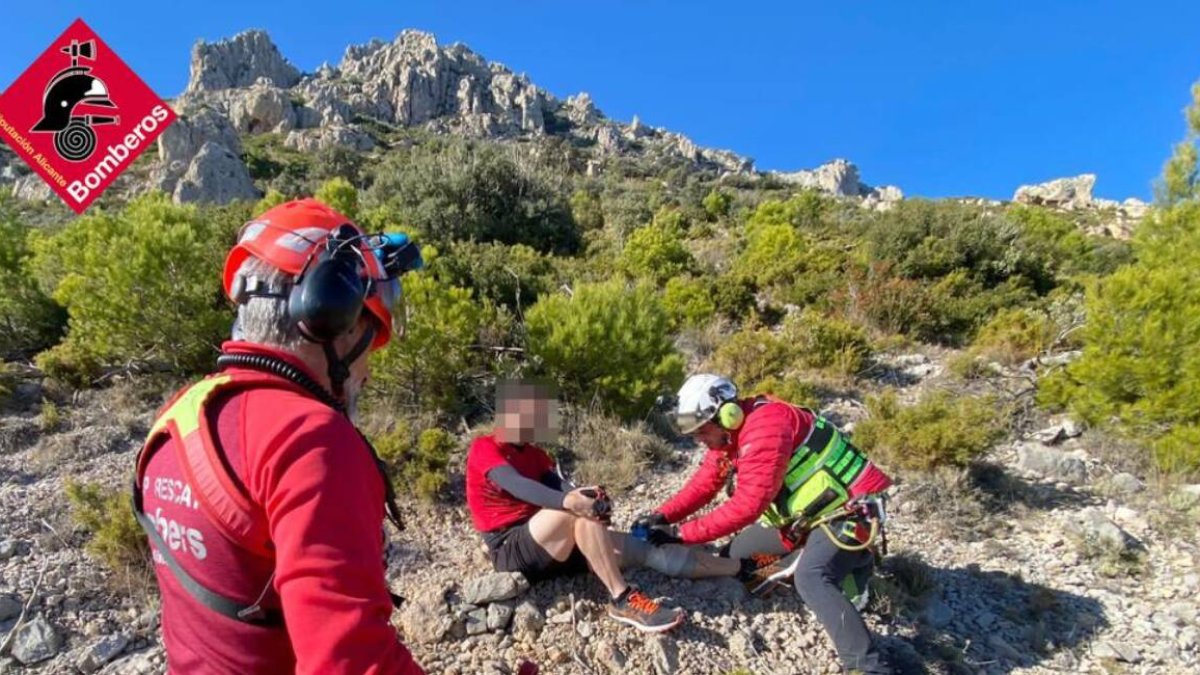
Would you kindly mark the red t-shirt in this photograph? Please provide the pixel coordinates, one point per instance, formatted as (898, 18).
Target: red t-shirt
(304, 465)
(493, 508)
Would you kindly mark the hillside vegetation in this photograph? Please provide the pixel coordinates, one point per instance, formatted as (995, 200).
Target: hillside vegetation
(949, 335)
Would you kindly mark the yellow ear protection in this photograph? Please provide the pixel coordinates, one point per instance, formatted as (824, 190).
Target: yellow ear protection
(729, 415)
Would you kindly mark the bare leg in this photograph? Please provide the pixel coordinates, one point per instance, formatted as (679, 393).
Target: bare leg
(593, 541)
(559, 532)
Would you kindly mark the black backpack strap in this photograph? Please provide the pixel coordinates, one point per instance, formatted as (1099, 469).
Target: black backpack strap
(253, 614)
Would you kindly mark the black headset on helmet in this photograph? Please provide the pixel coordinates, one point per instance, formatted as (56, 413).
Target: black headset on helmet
(326, 298)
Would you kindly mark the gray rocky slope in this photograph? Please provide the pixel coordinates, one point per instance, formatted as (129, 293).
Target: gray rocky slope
(1052, 559)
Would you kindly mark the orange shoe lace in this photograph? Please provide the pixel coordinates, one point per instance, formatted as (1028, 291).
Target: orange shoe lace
(764, 559)
(642, 603)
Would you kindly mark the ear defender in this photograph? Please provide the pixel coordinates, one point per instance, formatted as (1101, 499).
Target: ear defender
(328, 295)
(730, 416)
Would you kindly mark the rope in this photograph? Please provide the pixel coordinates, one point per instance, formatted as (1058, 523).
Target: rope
(846, 511)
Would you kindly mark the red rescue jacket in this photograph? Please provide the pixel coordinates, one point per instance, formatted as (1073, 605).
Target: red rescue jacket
(304, 471)
(759, 452)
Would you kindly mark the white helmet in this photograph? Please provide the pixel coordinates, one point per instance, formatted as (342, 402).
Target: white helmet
(700, 398)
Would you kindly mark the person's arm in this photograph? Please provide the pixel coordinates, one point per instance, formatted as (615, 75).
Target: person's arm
(323, 498)
(700, 489)
(506, 478)
(765, 447)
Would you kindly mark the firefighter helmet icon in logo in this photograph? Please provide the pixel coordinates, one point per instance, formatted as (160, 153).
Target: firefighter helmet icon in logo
(79, 116)
(74, 139)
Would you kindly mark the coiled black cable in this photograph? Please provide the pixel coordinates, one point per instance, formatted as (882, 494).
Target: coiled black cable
(274, 365)
(277, 366)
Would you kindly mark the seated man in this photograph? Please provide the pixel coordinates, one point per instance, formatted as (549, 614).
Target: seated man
(536, 523)
(811, 488)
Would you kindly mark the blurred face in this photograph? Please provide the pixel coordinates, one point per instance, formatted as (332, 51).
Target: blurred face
(526, 413)
(710, 436)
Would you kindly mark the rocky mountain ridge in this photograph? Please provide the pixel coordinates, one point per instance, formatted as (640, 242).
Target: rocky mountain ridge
(243, 86)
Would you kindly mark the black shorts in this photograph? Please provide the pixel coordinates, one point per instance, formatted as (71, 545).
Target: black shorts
(514, 550)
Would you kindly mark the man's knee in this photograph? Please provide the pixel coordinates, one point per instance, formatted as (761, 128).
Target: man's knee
(808, 577)
(554, 531)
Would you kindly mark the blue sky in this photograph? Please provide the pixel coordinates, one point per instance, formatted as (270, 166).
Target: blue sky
(939, 98)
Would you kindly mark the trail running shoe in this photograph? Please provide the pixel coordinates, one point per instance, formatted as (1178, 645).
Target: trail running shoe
(767, 571)
(644, 614)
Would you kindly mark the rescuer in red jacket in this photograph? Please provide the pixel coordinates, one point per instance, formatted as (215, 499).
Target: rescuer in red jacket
(262, 501)
(811, 489)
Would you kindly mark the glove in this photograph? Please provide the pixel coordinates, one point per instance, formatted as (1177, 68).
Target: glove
(664, 534)
(649, 520)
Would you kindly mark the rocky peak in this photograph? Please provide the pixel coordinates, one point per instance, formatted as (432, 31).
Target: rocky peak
(1067, 193)
(243, 86)
(239, 62)
(840, 178)
(1075, 194)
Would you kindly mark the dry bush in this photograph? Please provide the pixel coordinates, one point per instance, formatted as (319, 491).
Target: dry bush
(946, 501)
(901, 585)
(107, 515)
(607, 453)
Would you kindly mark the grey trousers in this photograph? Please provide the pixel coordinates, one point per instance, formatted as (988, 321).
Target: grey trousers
(823, 567)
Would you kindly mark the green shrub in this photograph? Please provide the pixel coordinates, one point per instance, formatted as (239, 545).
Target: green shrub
(627, 204)
(790, 388)
(1178, 451)
(716, 204)
(1065, 246)
(929, 240)
(419, 462)
(1141, 353)
(689, 301)
(29, 320)
(272, 198)
(8, 383)
(774, 252)
(107, 514)
(968, 366)
(437, 353)
(140, 287)
(751, 356)
(511, 276)
(49, 419)
(71, 364)
(340, 195)
(607, 343)
(337, 161)
(656, 252)
(733, 296)
(587, 210)
(947, 310)
(1015, 335)
(453, 190)
(827, 343)
(940, 430)
(808, 210)
(393, 444)
(889, 303)
(275, 165)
